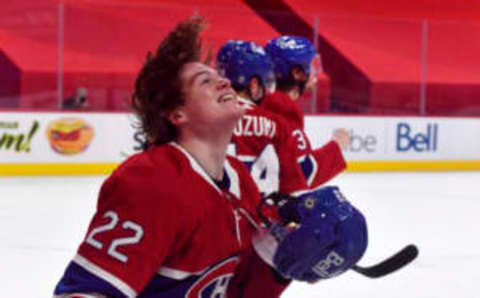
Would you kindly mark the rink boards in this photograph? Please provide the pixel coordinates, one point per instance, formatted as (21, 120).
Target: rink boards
(95, 143)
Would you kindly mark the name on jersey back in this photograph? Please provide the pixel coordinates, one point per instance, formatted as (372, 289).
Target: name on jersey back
(258, 126)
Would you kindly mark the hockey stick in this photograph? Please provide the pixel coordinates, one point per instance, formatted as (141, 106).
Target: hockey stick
(395, 262)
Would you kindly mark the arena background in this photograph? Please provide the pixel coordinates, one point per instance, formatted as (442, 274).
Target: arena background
(402, 77)
(383, 61)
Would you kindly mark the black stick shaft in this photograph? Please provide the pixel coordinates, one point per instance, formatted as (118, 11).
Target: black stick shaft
(392, 264)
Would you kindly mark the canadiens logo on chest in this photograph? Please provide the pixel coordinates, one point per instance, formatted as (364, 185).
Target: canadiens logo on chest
(257, 126)
(214, 282)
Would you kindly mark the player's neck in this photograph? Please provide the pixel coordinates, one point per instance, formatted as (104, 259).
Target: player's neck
(242, 95)
(210, 154)
(293, 93)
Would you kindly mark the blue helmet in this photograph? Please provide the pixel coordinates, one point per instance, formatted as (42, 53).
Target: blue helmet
(332, 236)
(289, 51)
(226, 51)
(239, 61)
(329, 238)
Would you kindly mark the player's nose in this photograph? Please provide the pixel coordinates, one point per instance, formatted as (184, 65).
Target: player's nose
(223, 83)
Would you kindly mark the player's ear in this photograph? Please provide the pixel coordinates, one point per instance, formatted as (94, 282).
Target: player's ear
(298, 74)
(255, 88)
(177, 117)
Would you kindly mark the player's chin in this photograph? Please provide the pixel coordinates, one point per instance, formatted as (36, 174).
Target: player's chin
(235, 115)
(234, 107)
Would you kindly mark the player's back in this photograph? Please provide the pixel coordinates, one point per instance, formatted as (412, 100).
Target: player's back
(287, 109)
(263, 141)
(318, 164)
(279, 103)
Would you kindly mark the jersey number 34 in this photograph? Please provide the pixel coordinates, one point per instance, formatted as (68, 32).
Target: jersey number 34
(264, 169)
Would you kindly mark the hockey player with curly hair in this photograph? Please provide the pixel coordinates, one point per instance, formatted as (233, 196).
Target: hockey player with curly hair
(180, 218)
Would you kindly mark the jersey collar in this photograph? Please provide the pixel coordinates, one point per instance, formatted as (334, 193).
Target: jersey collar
(229, 171)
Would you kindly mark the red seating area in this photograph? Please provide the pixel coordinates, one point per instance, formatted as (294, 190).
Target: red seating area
(378, 50)
(372, 51)
(105, 44)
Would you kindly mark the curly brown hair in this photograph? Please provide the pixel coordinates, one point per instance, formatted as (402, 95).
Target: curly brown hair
(158, 87)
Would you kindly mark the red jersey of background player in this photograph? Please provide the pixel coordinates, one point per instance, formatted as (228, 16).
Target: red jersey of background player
(184, 238)
(264, 142)
(319, 165)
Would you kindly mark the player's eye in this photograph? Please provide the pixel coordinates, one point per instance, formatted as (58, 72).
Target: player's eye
(206, 81)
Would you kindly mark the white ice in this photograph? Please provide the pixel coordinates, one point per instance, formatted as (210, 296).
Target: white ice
(42, 220)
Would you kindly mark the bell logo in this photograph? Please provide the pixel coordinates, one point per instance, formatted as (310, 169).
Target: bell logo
(423, 141)
(361, 143)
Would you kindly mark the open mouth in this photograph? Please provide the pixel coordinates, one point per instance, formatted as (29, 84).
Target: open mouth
(226, 97)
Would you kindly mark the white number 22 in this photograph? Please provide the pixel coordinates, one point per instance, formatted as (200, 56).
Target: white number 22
(112, 250)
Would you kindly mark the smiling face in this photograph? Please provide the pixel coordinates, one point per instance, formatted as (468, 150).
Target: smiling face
(211, 106)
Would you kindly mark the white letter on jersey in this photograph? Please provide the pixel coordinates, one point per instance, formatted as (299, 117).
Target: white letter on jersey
(220, 289)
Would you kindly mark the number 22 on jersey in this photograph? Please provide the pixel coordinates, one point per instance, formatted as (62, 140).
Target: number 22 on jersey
(112, 248)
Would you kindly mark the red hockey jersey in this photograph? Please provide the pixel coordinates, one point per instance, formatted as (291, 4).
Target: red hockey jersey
(264, 142)
(164, 228)
(318, 165)
(279, 103)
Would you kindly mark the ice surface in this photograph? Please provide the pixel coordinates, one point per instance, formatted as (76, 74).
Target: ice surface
(43, 220)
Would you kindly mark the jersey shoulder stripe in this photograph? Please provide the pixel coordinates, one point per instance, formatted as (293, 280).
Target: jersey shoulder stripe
(79, 279)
